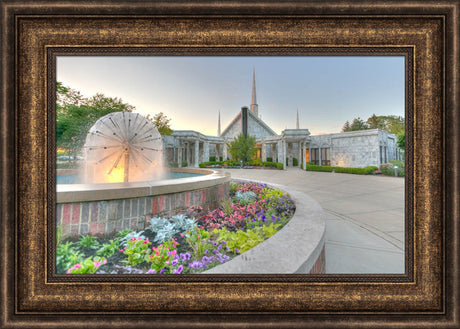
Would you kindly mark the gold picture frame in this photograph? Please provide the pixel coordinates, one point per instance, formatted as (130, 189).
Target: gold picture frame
(33, 34)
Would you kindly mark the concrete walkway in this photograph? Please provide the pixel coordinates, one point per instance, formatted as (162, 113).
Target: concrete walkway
(364, 216)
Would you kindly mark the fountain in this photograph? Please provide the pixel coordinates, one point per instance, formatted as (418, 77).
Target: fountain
(122, 147)
(123, 182)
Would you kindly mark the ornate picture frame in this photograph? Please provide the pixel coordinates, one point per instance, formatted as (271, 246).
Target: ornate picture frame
(426, 33)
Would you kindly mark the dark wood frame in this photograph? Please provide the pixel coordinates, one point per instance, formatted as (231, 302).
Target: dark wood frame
(427, 295)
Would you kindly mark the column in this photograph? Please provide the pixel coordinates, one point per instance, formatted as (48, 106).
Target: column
(319, 155)
(217, 152)
(274, 155)
(205, 151)
(189, 153)
(179, 154)
(284, 155)
(197, 149)
(300, 154)
(280, 152)
(224, 152)
(304, 144)
(264, 153)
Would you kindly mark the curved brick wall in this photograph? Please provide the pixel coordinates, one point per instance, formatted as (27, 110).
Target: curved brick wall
(99, 209)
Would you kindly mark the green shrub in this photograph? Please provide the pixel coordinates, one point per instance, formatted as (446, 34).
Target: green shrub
(388, 168)
(401, 167)
(232, 163)
(269, 164)
(312, 167)
(279, 165)
(358, 171)
(184, 163)
(255, 162)
(295, 162)
(88, 241)
(269, 159)
(173, 164)
(212, 159)
(66, 256)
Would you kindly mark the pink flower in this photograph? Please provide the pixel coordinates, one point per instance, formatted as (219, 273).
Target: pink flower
(78, 265)
(105, 261)
(68, 271)
(121, 250)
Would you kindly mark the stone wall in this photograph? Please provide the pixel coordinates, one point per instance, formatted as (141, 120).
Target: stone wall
(108, 216)
(355, 150)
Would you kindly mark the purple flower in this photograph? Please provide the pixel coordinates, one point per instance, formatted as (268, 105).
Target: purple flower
(215, 251)
(178, 270)
(237, 250)
(162, 270)
(151, 271)
(174, 262)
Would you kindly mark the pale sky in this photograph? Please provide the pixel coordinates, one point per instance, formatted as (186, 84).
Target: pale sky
(327, 90)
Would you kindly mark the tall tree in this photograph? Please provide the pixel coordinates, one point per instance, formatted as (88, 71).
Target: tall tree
(243, 148)
(358, 124)
(402, 141)
(161, 121)
(374, 122)
(108, 104)
(346, 127)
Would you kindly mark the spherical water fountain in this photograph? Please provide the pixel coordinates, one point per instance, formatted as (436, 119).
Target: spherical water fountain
(122, 147)
(123, 181)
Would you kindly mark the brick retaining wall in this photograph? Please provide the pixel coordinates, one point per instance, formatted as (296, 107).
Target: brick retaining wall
(320, 265)
(104, 217)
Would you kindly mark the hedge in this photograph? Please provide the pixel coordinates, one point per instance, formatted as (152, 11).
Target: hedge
(312, 167)
(358, 171)
(230, 163)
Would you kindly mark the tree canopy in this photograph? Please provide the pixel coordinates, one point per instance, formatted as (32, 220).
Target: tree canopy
(243, 148)
(161, 121)
(75, 115)
(391, 123)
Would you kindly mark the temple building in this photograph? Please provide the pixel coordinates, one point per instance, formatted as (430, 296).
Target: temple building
(362, 148)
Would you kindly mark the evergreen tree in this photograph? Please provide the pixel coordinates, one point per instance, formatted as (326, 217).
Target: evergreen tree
(346, 127)
(358, 124)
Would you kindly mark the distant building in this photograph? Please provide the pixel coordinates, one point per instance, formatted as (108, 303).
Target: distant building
(347, 149)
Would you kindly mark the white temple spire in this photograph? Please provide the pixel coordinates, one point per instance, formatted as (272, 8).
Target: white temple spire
(218, 126)
(254, 107)
(297, 120)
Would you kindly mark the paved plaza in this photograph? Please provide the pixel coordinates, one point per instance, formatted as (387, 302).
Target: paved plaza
(364, 216)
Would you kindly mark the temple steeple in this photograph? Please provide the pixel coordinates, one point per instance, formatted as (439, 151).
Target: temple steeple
(297, 120)
(218, 125)
(254, 107)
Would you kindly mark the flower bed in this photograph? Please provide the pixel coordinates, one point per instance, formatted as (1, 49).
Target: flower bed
(187, 243)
